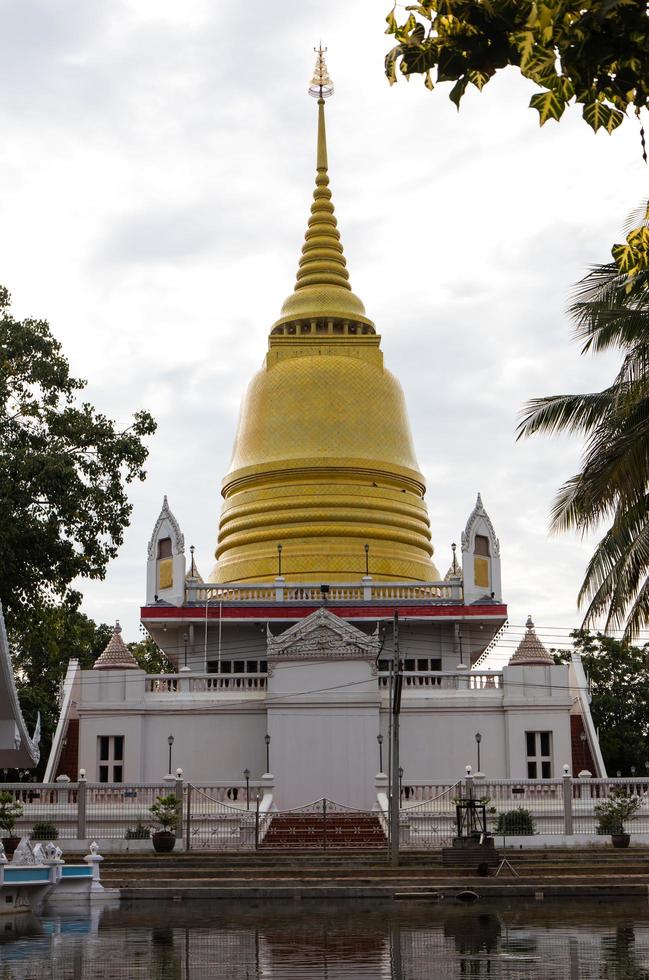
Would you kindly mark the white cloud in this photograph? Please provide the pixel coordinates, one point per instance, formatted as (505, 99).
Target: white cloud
(157, 162)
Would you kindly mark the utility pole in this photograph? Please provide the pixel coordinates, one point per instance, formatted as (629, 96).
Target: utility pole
(395, 708)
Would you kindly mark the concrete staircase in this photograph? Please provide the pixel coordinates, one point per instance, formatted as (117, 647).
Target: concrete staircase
(320, 831)
(364, 873)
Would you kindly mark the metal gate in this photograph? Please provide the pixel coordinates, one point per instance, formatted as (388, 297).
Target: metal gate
(321, 825)
(431, 823)
(213, 825)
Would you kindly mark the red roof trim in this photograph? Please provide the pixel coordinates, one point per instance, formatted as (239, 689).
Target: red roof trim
(288, 611)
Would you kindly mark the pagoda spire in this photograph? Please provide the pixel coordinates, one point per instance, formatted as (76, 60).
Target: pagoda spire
(322, 283)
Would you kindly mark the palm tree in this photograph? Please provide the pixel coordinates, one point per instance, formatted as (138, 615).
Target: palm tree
(610, 310)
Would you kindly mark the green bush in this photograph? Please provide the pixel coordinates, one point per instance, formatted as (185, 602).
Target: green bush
(515, 823)
(141, 831)
(45, 831)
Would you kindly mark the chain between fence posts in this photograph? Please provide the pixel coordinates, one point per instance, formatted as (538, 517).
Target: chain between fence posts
(567, 806)
(81, 808)
(188, 815)
(324, 825)
(179, 796)
(257, 824)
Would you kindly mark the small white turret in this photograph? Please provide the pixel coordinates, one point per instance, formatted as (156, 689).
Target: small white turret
(165, 577)
(480, 557)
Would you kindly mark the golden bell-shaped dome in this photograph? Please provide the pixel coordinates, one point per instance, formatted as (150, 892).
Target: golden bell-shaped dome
(323, 461)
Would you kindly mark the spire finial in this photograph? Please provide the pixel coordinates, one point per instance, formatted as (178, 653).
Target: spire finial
(322, 284)
(321, 86)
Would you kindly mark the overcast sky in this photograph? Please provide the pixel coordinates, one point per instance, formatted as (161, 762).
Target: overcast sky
(156, 169)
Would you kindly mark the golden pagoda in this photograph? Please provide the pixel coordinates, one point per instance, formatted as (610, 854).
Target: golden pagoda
(324, 484)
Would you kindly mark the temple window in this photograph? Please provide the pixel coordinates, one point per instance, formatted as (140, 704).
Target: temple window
(110, 752)
(539, 755)
(164, 548)
(481, 545)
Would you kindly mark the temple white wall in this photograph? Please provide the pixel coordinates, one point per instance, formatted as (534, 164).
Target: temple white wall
(323, 735)
(323, 718)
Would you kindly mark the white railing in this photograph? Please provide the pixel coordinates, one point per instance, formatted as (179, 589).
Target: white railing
(186, 683)
(461, 681)
(366, 591)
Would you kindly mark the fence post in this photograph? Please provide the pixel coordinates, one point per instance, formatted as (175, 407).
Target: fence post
(324, 824)
(257, 824)
(179, 796)
(188, 815)
(567, 806)
(82, 786)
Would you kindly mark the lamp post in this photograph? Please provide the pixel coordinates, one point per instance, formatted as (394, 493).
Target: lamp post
(267, 741)
(400, 781)
(170, 742)
(379, 739)
(279, 561)
(367, 560)
(246, 776)
(478, 739)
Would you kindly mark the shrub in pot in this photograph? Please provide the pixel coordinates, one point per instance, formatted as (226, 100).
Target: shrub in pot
(166, 813)
(45, 831)
(10, 811)
(613, 812)
(515, 823)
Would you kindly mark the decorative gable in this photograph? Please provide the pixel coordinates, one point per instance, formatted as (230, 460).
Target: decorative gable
(323, 635)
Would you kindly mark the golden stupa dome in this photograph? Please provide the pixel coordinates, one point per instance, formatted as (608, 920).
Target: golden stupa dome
(323, 461)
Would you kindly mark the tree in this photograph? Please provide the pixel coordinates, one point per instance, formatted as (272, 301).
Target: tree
(43, 643)
(592, 52)
(610, 311)
(619, 678)
(64, 468)
(150, 657)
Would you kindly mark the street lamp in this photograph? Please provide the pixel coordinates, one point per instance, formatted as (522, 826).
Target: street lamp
(400, 771)
(246, 776)
(379, 739)
(478, 739)
(367, 561)
(267, 741)
(170, 742)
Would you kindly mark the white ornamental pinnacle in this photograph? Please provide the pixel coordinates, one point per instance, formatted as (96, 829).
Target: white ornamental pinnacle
(321, 86)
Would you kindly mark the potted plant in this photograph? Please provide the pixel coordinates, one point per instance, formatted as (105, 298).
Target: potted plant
(613, 812)
(166, 813)
(10, 811)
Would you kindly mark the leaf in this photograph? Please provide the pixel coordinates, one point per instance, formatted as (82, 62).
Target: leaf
(391, 21)
(549, 105)
(479, 78)
(625, 258)
(599, 115)
(391, 59)
(428, 81)
(458, 90)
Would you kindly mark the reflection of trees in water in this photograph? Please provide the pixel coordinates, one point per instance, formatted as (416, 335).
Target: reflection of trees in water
(620, 954)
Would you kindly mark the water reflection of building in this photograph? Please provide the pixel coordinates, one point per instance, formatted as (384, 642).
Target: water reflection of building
(223, 941)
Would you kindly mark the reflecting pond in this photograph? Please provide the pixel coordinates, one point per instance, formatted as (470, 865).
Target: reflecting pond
(309, 940)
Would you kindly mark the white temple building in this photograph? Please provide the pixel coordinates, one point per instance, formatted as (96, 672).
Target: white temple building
(284, 657)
